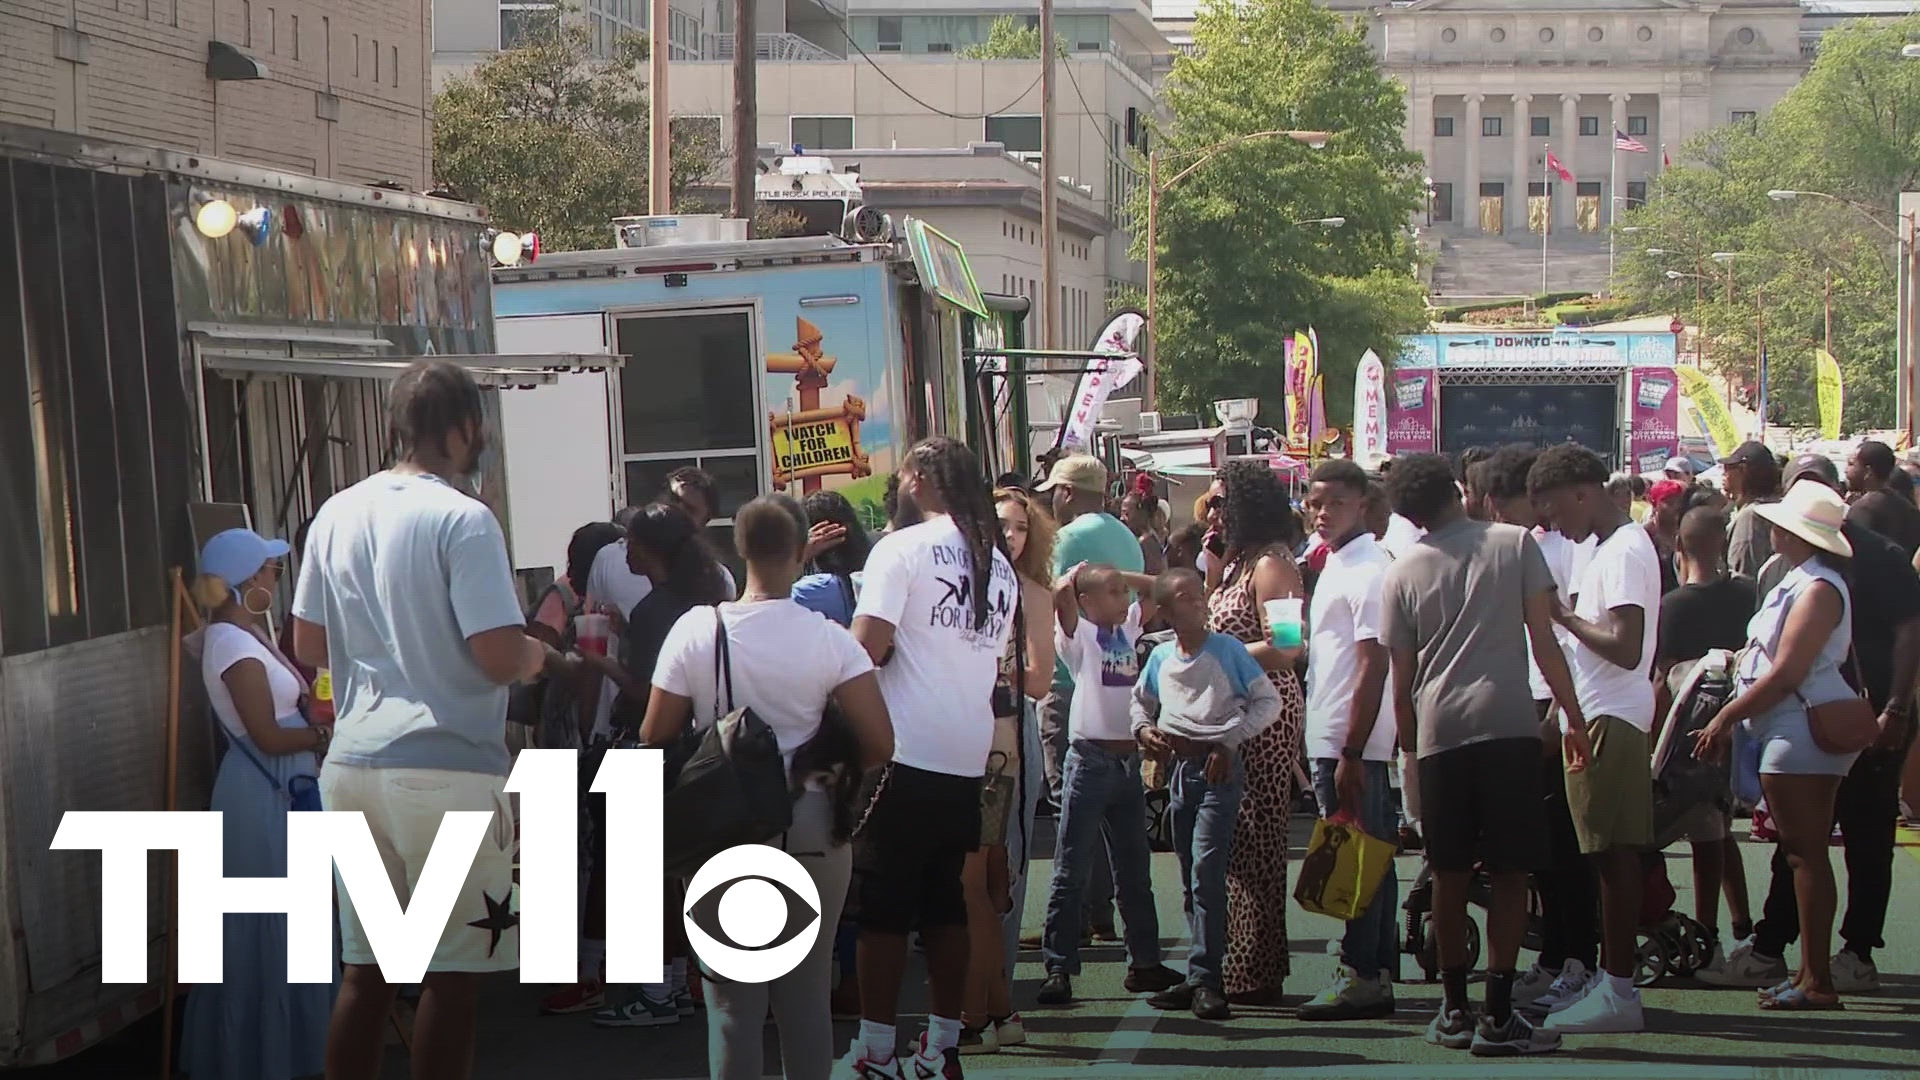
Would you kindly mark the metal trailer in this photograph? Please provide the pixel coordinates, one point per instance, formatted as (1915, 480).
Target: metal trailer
(146, 370)
(793, 364)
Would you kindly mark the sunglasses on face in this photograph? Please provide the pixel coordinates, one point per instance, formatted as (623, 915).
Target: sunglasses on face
(1217, 502)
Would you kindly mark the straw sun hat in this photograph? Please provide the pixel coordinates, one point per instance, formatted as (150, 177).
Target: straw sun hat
(1813, 512)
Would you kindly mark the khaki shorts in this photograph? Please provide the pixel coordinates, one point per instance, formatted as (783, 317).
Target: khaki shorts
(403, 809)
(1612, 798)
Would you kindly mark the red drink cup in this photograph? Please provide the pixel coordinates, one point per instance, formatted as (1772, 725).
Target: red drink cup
(591, 631)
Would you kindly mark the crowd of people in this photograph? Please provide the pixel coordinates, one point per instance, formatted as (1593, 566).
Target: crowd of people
(1489, 650)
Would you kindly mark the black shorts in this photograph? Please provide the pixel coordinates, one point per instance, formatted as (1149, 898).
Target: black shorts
(909, 854)
(1480, 804)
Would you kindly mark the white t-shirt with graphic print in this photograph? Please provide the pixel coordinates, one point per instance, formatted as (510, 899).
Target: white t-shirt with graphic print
(1105, 662)
(938, 684)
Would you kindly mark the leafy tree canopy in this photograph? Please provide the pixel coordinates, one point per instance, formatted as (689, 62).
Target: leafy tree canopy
(1010, 38)
(1237, 276)
(553, 140)
(1851, 130)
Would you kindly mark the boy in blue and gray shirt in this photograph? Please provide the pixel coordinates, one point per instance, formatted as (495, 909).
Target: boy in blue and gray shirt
(1199, 697)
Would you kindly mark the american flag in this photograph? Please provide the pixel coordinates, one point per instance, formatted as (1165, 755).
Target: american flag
(1628, 143)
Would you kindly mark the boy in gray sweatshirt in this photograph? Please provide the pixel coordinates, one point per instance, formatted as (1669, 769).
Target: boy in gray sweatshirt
(1199, 697)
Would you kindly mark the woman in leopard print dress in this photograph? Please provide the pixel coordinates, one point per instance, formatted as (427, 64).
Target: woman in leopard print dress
(1257, 526)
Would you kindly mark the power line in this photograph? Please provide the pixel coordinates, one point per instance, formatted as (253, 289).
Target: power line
(911, 96)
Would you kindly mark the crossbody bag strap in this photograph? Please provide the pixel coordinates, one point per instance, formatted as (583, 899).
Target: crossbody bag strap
(240, 743)
(722, 666)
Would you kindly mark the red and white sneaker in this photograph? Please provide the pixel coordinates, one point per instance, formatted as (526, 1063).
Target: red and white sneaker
(580, 997)
(1762, 828)
(942, 1066)
(858, 1066)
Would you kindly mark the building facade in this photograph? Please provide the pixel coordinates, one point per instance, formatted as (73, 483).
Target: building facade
(341, 87)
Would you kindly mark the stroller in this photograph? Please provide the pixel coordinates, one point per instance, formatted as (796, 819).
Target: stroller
(1673, 943)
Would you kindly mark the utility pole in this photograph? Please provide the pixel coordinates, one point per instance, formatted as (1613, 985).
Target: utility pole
(659, 117)
(1153, 282)
(1049, 192)
(746, 112)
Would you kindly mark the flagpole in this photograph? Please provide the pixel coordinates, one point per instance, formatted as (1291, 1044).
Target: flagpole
(1546, 225)
(1613, 205)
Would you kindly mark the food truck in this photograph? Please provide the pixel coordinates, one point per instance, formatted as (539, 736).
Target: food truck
(197, 343)
(794, 364)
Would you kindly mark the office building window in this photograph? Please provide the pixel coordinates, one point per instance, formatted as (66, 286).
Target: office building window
(939, 46)
(1589, 125)
(519, 23)
(1539, 126)
(1636, 192)
(1490, 126)
(822, 132)
(1019, 134)
(1443, 202)
(1636, 125)
(1443, 127)
(889, 27)
(293, 34)
(1744, 116)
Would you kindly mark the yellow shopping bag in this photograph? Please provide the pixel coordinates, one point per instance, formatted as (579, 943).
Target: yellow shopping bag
(1342, 869)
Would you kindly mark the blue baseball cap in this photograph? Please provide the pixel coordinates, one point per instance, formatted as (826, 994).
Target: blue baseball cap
(238, 554)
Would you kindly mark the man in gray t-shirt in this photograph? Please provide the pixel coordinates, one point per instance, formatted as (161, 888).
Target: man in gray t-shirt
(1457, 611)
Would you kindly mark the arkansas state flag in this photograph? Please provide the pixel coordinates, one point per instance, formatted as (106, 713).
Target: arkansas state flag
(1554, 167)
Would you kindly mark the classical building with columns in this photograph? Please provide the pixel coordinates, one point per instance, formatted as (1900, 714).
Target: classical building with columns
(1494, 84)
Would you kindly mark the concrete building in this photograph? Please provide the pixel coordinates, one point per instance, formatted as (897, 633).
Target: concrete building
(989, 200)
(341, 87)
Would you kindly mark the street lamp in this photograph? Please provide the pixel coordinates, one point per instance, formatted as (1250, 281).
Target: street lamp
(1313, 140)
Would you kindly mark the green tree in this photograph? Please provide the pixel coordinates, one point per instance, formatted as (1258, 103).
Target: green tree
(1010, 38)
(552, 140)
(1850, 129)
(1236, 276)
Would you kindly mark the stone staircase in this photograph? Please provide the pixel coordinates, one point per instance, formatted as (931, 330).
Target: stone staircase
(1477, 265)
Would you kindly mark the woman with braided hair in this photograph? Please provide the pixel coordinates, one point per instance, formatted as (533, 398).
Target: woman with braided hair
(936, 611)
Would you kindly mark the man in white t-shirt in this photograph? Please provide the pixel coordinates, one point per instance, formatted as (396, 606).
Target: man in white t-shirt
(1349, 731)
(1568, 885)
(936, 611)
(1612, 622)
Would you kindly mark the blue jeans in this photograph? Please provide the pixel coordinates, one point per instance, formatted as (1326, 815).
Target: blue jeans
(1204, 814)
(1100, 787)
(1020, 844)
(1372, 941)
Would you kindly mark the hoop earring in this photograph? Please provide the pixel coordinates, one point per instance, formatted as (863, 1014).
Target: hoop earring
(248, 596)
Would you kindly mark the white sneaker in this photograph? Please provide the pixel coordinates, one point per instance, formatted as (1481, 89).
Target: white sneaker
(1569, 986)
(1745, 968)
(1604, 1011)
(858, 1066)
(1852, 975)
(1532, 986)
(1351, 998)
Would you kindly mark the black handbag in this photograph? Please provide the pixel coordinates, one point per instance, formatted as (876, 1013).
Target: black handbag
(732, 788)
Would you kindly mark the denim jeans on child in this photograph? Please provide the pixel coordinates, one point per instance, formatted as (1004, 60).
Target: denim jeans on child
(1372, 941)
(1100, 787)
(1204, 814)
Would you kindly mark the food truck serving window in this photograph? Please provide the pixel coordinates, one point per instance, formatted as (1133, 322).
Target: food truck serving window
(689, 396)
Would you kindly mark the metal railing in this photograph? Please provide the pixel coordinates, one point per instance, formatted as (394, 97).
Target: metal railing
(771, 47)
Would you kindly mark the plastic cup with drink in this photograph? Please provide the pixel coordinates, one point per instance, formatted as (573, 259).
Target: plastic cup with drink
(1283, 622)
(591, 631)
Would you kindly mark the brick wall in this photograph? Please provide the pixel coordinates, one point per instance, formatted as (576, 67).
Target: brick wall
(346, 95)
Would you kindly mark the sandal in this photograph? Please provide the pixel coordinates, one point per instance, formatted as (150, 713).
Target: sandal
(1794, 999)
(1776, 991)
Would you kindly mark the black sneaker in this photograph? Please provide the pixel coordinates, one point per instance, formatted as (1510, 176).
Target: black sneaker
(1152, 980)
(1514, 1038)
(1056, 990)
(1174, 997)
(1210, 1004)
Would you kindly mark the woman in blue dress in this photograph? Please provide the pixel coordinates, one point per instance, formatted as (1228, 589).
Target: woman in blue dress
(254, 1025)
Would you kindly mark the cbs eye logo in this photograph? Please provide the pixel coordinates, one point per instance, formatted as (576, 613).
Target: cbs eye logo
(752, 913)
